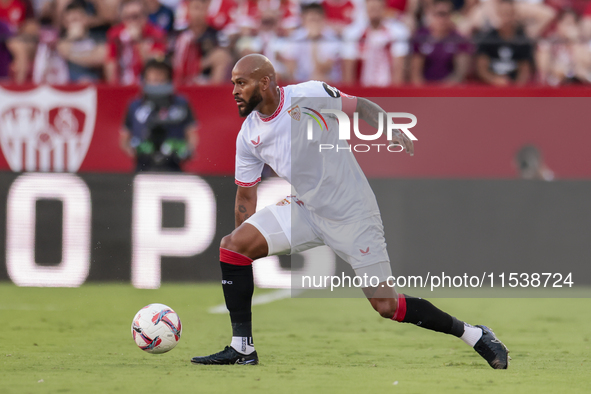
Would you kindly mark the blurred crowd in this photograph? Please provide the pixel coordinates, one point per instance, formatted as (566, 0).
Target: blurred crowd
(344, 42)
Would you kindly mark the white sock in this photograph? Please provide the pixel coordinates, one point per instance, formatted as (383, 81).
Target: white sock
(471, 334)
(242, 345)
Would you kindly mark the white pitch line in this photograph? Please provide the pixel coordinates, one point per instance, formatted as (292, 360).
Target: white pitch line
(261, 299)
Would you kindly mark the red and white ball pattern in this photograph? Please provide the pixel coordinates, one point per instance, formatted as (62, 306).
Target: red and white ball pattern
(156, 328)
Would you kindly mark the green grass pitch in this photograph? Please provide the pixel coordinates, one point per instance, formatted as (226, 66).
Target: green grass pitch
(79, 341)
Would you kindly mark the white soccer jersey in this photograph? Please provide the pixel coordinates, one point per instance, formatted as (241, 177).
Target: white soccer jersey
(329, 183)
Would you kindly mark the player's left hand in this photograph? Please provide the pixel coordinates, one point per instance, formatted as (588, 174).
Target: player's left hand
(400, 138)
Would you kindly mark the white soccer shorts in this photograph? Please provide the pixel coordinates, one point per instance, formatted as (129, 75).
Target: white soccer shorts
(290, 228)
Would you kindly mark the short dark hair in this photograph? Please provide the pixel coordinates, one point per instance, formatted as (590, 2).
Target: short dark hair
(76, 5)
(443, 1)
(313, 7)
(569, 10)
(158, 64)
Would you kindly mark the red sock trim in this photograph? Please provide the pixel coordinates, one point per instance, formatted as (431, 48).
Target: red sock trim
(401, 309)
(230, 257)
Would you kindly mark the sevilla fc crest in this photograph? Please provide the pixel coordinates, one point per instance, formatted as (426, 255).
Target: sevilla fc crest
(46, 129)
(295, 113)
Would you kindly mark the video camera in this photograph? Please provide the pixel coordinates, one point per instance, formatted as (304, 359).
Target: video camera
(159, 152)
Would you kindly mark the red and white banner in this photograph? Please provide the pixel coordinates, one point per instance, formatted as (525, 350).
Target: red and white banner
(45, 129)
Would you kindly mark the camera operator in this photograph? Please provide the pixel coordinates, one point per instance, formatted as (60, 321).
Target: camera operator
(160, 131)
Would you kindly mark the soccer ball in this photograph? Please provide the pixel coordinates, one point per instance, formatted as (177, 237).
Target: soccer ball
(156, 328)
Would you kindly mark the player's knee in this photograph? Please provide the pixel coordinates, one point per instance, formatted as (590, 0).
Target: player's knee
(228, 242)
(243, 245)
(386, 307)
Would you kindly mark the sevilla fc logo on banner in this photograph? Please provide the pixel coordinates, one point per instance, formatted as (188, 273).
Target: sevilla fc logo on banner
(46, 129)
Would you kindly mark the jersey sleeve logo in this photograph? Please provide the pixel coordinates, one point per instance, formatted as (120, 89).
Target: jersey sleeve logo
(295, 112)
(332, 92)
(283, 202)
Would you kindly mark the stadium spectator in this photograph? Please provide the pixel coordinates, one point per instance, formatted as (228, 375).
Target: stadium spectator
(106, 16)
(561, 58)
(410, 12)
(343, 13)
(102, 13)
(132, 43)
(22, 51)
(23, 44)
(535, 17)
(13, 13)
(48, 66)
(51, 12)
(240, 17)
(219, 14)
(504, 55)
(270, 41)
(37, 39)
(313, 51)
(5, 56)
(379, 47)
(160, 129)
(586, 22)
(160, 15)
(200, 56)
(439, 52)
(246, 18)
(83, 54)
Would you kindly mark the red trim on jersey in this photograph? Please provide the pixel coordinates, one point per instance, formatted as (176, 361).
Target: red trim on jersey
(401, 309)
(229, 257)
(277, 111)
(247, 184)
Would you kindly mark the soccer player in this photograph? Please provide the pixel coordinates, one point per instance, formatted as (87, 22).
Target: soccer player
(334, 205)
